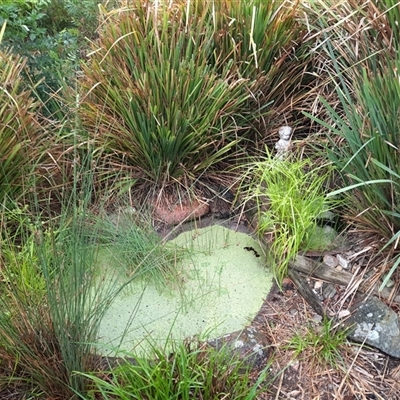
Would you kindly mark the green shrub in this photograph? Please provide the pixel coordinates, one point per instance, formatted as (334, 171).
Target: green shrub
(51, 34)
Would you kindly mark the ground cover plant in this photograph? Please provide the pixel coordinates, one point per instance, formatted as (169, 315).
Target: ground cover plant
(52, 36)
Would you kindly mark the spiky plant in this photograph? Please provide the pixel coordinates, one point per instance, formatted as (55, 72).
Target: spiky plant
(362, 48)
(20, 132)
(360, 41)
(153, 102)
(170, 90)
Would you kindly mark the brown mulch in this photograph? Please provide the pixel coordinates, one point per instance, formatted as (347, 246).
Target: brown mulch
(361, 373)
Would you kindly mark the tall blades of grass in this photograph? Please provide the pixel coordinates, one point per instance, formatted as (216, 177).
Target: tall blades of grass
(76, 298)
(170, 115)
(189, 372)
(21, 135)
(52, 301)
(363, 131)
(30, 361)
(289, 196)
(366, 131)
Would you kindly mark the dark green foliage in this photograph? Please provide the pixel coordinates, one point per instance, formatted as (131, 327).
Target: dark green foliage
(49, 34)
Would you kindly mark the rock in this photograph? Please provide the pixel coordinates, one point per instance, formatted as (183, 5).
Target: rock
(377, 324)
(331, 261)
(321, 238)
(249, 344)
(343, 262)
(174, 214)
(328, 291)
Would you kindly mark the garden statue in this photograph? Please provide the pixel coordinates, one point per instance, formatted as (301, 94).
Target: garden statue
(283, 144)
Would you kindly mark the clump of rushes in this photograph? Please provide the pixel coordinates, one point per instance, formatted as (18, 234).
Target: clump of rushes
(171, 90)
(51, 299)
(254, 34)
(322, 345)
(362, 129)
(289, 196)
(356, 29)
(51, 305)
(20, 132)
(154, 103)
(190, 371)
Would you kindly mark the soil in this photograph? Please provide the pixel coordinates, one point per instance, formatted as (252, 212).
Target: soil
(359, 373)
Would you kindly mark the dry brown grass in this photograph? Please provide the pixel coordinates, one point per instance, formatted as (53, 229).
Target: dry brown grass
(359, 374)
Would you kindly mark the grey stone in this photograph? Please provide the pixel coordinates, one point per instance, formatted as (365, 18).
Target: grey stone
(377, 324)
(328, 291)
(343, 262)
(331, 261)
(249, 344)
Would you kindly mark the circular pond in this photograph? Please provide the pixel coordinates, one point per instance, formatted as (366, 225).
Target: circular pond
(223, 283)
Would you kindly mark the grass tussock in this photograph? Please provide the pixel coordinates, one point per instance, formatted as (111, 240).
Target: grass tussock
(289, 196)
(189, 372)
(21, 133)
(173, 92)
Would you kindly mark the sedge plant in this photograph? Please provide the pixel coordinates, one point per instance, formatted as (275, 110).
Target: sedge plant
(153, 103)
(289, 196)
(173, 91)
(364, 147)
(322, 345)
(21, 134)
(360, 43)
(189, 371)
